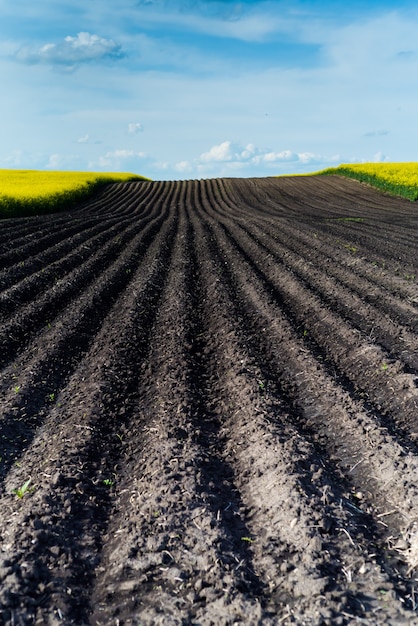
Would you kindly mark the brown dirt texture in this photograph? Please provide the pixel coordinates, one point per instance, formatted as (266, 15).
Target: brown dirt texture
(212, 387)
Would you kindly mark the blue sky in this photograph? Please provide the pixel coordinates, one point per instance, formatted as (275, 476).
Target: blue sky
(196, 89)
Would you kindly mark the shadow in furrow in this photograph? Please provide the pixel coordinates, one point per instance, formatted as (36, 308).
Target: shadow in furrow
(217, 485)
(16, 333)
(363, 526)
(400, 431)
(339, 298)
(20, 253)
(81, 514)
(19, 425)
(58, 258)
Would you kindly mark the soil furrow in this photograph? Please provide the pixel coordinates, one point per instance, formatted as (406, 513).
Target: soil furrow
(320, 401)
(47, 268)
(87, 227)
(42, 313)
(369, 367)
(19, 253)
(78, 455)
(256, 470)
(215, 402)
(393, 295)
(353, 354)
(177, 559)
(341, 294)
(33, 382)
(123, 199)
(312, 220)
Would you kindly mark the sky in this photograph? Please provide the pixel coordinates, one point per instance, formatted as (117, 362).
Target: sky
(187, 89)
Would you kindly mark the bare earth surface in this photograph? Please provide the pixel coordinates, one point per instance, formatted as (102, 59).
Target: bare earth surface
(212, 386)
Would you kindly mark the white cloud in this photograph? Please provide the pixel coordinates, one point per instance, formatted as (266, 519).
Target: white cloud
(117, 159)
(71, 51)
(379, 157)
(250, 28)
(292, 116)
(123, 154)
(222, 152)
(233, 154)
(83, 139)
(162, 165)
(234, 159)
(249, 151)
(15, 158)
(183, 167)
(309, 157)
(274, 157)
(54, 161)
(87, 139)
(134, 128)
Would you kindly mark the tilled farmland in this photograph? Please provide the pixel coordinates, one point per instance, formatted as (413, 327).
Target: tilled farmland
(212, 387)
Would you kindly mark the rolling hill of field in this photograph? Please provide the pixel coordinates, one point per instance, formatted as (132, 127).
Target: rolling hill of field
(212, 389)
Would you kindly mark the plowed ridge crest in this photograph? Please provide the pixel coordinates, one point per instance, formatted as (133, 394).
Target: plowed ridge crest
(209, 406)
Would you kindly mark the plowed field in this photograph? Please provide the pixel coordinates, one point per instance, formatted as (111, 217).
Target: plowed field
(212, 386)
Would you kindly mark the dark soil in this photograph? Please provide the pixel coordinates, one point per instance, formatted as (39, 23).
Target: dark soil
(213, 389)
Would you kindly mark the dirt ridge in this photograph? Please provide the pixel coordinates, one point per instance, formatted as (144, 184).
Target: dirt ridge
(213, 388)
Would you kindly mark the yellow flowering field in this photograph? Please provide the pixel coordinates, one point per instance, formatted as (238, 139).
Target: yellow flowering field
(29, 192)
(397, 178)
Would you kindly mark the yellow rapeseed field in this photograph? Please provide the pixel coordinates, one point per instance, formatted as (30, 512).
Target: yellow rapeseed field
(27, 192)
(396, 178)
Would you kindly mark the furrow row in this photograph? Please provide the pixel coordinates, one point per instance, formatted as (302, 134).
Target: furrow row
(34, 378)
(292, 507)
(73, 458)
(119, 256)
(337, 421)
(367, 365)
(208, 407)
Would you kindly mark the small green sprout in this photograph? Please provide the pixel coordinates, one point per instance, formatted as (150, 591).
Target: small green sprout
(108, 482)
(351, 248)
(16, 388)
(261, 385)
(247, 539)
(20, 491)
(51, 397)
(384, 367)
(348, 219)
